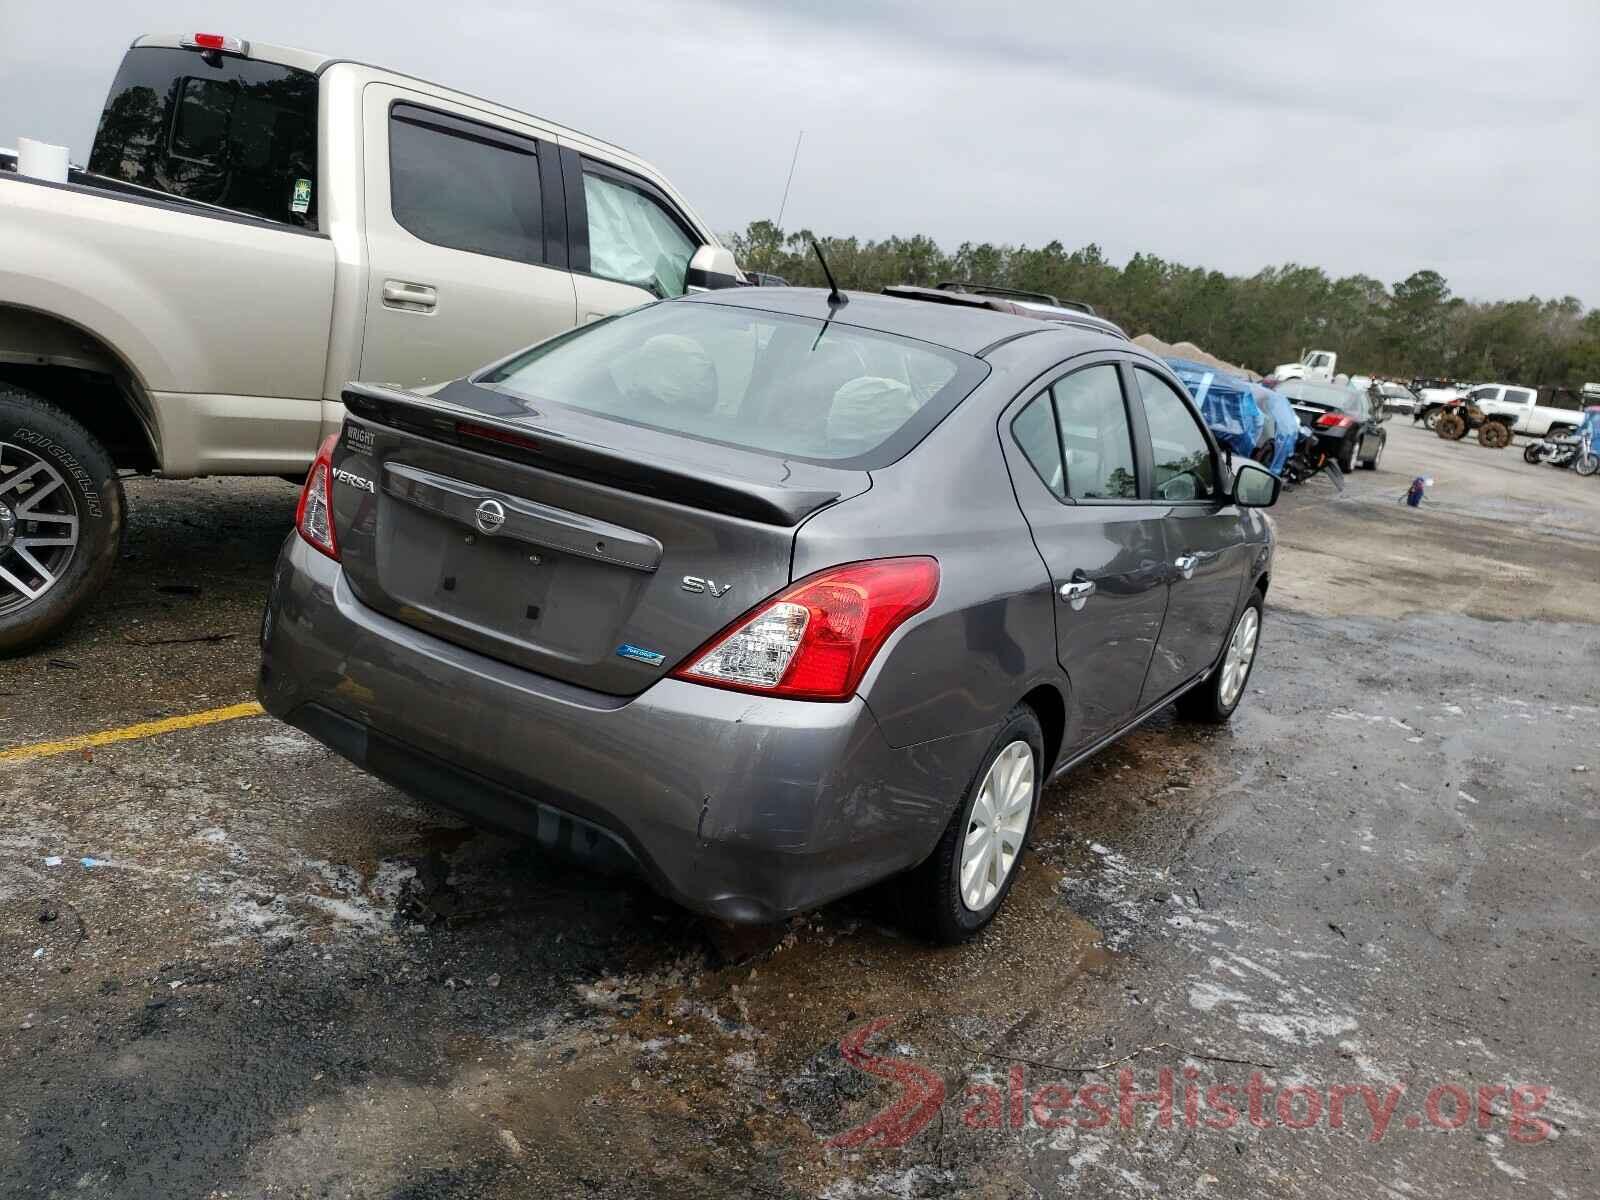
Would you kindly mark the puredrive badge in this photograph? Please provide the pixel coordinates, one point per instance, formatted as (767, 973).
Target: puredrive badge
(639, 654)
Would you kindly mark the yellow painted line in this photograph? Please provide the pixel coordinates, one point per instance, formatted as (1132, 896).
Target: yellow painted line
(132, 733)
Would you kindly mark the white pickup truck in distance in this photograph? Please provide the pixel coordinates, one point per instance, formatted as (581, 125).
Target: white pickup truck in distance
(1315, 365)
(1528, 416)
(258, 225)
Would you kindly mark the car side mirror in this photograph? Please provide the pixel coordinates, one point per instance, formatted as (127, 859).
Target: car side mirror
(712, 268)
(1255, 487)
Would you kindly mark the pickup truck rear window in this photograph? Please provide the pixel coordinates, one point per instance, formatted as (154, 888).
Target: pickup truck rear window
(465, 186)
(223, 130)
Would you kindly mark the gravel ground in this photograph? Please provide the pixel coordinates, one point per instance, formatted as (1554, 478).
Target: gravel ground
(282, 978)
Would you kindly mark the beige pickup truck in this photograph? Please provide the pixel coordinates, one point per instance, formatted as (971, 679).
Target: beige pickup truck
(257, 225)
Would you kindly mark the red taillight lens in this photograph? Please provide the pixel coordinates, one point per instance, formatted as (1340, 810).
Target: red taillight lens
(314, 516)
(1335, 420)
(815, 639)
(209, 41)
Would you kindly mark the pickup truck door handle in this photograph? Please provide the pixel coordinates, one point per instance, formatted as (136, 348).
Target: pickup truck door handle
(1186, 563)
(1076, 593)
(411, 297)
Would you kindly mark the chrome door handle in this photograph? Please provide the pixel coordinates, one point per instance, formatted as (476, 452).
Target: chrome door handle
(1076, 593)
(412, 297)
(1186, 563)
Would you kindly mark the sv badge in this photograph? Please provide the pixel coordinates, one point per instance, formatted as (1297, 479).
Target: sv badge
(693, 583)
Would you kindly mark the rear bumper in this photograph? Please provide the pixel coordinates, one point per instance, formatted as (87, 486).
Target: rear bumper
(742, 807)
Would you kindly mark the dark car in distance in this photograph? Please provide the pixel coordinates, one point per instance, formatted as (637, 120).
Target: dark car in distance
(774, 593)
(1347, 424)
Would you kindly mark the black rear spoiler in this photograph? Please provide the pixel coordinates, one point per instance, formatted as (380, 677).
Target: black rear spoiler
(483, 433)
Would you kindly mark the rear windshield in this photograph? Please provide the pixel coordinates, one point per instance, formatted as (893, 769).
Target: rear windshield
(224, 130)
(785, 385)
(1327, 394)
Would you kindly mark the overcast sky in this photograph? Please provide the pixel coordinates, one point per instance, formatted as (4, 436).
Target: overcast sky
(1361, 137)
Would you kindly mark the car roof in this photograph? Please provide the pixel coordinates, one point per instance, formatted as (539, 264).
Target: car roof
(970, 329)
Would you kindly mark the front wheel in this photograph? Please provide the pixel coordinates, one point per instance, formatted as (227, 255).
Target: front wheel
(61, 518)
(1451, 426)
(1587, 464)
(1214, 701)
(961, 886)
(1494, 435)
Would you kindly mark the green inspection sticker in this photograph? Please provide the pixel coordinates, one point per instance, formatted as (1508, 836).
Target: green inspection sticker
(302, 196)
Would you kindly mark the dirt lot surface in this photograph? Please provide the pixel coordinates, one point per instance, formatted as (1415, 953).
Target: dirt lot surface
(233, 965)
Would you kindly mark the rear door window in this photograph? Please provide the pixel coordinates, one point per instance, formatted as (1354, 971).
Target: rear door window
(633, 237)
(233, 132)
(1095, 435)
(465, 186)
(1034, 429)
(1180, 454)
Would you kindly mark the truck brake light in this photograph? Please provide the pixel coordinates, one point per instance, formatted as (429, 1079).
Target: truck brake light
(215, 41)
(1335, 420)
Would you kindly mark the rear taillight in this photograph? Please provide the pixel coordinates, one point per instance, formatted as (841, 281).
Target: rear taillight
(815, 639)
(314, 517)
(1335, 420)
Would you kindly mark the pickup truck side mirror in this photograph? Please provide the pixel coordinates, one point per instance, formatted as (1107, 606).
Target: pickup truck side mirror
(1254, 486)
(711, 268)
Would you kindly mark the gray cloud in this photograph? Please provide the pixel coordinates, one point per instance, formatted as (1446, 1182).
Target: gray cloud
(1362, 137)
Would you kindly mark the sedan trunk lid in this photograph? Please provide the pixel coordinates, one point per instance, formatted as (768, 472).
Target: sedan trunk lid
(593, 550)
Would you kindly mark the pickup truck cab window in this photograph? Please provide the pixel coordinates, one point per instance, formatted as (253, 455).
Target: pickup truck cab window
(633, 237)
(233, 132)
(464, 186)
(1180, 454)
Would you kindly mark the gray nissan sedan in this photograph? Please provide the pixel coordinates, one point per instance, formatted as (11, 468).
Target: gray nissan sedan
(773, 593)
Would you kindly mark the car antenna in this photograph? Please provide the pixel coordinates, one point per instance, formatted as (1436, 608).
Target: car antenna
(836, 298)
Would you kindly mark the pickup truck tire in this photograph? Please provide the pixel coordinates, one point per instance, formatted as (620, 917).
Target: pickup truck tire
(61, 518)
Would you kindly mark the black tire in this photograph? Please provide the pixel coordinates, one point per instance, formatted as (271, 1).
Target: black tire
(930, 895)
(1451, 426)
(1494, 435)
(1348, 452)
(1587, 464)
(1530, 452)
(30, 426)
(1205, 703)
(1371, 464)
(1430, 419)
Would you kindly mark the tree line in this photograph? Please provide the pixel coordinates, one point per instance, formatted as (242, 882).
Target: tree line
(1414, 328)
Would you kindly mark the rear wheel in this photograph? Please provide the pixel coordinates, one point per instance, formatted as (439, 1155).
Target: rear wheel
(1371, 464)
(1495, 435)
(1451, 426)
(961, 886)
(1214, 701)
(1348, 453)
(61, 518)
(1530, 452)
(1430, 419)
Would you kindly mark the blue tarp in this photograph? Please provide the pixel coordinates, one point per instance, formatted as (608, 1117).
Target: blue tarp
(1286, 426)
(1226, 402)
